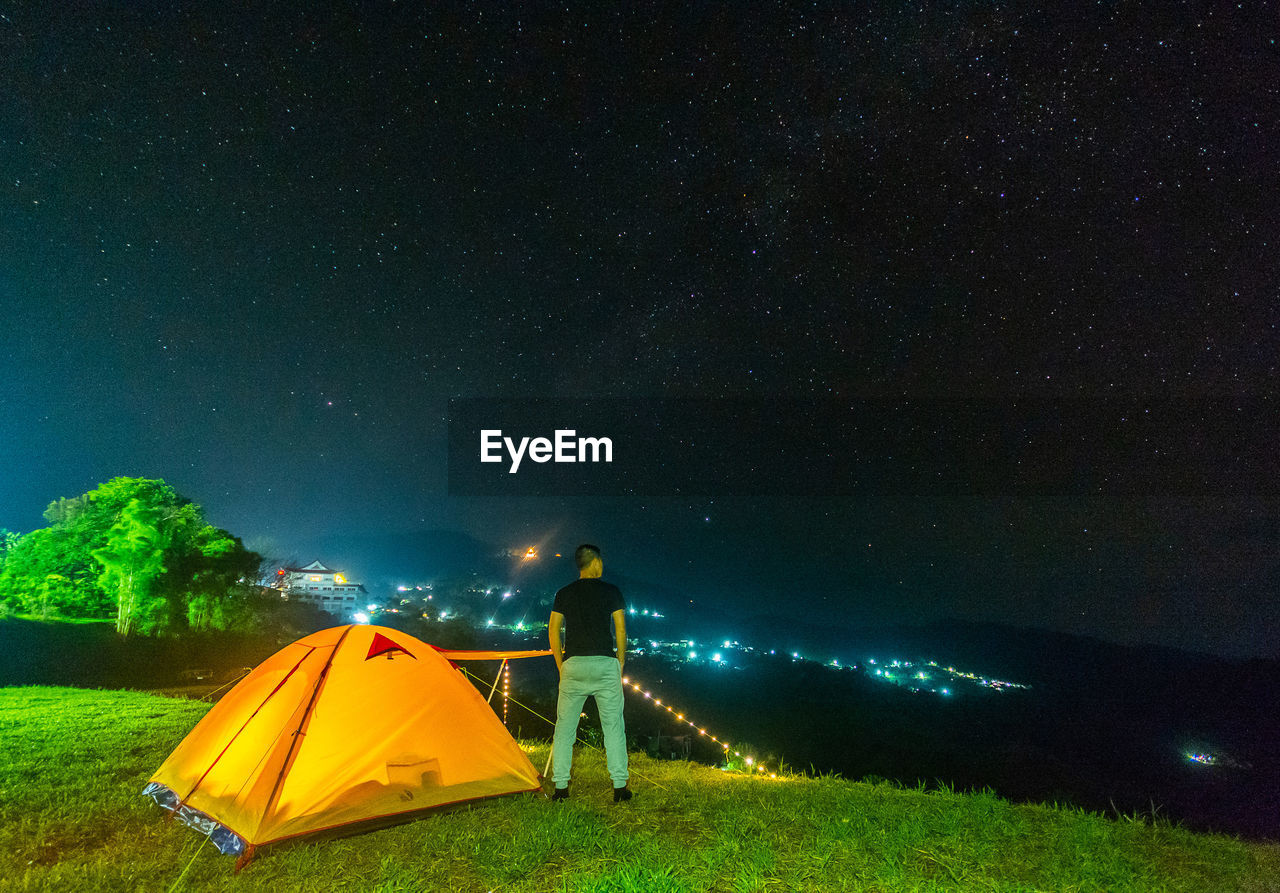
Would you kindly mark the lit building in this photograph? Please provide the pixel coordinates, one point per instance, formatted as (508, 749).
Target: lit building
(321, 586)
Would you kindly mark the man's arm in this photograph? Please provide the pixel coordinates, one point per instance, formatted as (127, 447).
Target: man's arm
(620, 635)
(555, 629)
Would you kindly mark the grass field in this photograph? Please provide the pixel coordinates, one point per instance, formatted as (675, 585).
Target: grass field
(73, 763)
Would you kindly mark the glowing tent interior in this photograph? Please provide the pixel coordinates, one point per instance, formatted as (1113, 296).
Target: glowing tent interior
(347, 725)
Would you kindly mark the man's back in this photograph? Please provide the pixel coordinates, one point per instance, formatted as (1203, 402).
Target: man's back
(588, 605)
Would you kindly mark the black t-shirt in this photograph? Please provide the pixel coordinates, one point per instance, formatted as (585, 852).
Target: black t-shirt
(588, 605)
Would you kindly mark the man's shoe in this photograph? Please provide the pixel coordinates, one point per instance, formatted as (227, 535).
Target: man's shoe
(560, 794)
(621, 795)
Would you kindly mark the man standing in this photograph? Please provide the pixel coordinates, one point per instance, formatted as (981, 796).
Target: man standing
(590, 662)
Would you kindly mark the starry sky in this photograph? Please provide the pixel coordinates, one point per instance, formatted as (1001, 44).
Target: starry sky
(1004, 276)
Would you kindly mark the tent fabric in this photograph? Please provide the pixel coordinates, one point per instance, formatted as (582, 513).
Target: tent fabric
(345, 725)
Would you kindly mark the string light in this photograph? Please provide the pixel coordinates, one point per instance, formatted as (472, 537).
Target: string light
(506, 688)
(749, 761)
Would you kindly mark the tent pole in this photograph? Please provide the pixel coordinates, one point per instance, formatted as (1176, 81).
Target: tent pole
(495, 681)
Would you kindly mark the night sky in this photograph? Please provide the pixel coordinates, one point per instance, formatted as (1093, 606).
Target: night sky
(1006, 274)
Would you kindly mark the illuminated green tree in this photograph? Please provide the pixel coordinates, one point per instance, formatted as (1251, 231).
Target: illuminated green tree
(214, 573)
(55, 591)
(132, 560)
(77, 526)
(63, 509)
(97, 559)
(8, 539)
(49, 572)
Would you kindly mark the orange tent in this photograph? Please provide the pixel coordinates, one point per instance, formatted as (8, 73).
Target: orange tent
(347, 725)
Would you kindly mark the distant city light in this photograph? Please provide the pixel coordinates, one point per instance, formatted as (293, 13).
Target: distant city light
(716, 657)
(631, 611)
(728, 644)
(692, 655)
(506, 595)
(360, 617)
(490, 621)
(997, 685)
(372, 607)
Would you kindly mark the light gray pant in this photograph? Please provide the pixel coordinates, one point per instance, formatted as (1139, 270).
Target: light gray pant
(581, 678)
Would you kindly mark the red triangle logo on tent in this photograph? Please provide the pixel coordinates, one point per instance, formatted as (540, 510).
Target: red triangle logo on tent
(382, 645)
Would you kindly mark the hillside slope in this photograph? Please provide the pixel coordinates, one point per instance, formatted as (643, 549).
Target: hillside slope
(73, 761)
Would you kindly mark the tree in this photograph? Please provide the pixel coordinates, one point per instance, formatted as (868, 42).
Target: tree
(8, 539)
(133, 549)
(64, 509)
(49, 572)
(132, 559)
(55, 591)
(77, 526)
(212, 569)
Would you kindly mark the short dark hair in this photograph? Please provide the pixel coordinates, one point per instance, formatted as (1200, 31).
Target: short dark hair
(585, 554)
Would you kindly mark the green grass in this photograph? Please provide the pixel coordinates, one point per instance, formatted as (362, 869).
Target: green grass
(73, 761)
